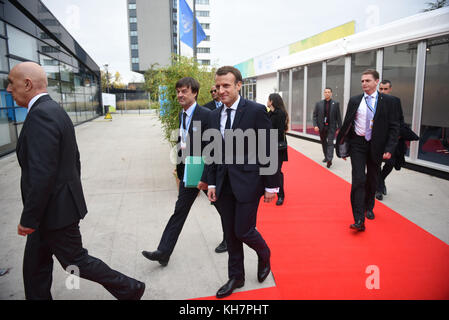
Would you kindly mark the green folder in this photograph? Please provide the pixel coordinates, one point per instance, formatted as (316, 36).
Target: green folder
(193, 171)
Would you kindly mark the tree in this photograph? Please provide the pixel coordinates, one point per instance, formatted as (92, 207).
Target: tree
(162, 81)
(436, 5)
(118, 81)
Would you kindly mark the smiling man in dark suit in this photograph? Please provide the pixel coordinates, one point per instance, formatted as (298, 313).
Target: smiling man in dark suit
(236, 188)
(326, 121)
(53, 200)
(371, 126)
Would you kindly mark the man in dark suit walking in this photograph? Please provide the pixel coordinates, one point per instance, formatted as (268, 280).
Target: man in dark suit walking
(192, 118)
(371, 127)
(215, 102)
(237, 188)
(53, 200)
(326, 121)
(386, 87)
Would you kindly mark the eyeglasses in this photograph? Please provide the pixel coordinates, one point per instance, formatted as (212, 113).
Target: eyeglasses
(213, 91)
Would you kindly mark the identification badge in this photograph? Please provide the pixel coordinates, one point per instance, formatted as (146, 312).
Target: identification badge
(371, 123)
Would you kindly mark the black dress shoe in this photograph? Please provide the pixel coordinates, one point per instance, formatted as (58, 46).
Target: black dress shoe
(324, 160)
(229, 287)
(359, 226)
(370, 214)
(138, 293)
(156, 256)
(222, 247)
(280, 201)
(329, 163)
(263, 270)
(379, 195)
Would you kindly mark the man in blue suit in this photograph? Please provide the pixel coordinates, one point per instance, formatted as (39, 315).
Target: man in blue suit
(237, 188)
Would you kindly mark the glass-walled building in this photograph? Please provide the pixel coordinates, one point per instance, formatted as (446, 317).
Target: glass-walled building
(30, 32)
(413, 53)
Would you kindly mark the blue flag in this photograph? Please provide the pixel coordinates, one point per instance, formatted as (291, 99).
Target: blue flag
(186, 25)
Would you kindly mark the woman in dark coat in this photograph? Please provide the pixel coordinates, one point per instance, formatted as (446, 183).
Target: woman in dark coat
(280, 120)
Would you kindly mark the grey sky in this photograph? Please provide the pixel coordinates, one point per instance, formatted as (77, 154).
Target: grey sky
(243, 28)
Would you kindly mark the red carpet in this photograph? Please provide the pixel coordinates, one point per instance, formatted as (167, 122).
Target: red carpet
(316, 256)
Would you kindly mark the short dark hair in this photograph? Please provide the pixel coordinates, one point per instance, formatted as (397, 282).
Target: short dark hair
(189, 82)
(372, 72)
(228, 69)
(328, 88)
(386, 82)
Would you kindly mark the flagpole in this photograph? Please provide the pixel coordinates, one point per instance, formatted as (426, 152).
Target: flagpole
(194, 30)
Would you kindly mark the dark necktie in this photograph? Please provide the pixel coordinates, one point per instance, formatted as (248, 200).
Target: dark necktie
(228, 121)
(184, 120)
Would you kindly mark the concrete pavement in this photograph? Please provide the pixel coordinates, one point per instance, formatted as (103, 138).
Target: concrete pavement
(130, 192)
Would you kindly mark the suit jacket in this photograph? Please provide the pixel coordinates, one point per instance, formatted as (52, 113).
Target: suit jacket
(48, 155)
(334, 115)
(210, 105)
(385, 130)
(246, 182)
(278, 119)
(200, 114)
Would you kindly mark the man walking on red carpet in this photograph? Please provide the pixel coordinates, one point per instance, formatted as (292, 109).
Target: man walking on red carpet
(371, 127)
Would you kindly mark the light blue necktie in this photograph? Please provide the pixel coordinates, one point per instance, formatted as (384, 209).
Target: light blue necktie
(369, 117)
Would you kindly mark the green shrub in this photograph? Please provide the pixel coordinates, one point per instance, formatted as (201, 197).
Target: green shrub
(167, 77)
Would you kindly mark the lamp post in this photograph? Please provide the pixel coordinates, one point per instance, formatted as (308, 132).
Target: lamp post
(107, 76)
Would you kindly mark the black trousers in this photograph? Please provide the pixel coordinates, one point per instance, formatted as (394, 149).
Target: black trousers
(186, 198)
(239, 222)
(281, 193)
(386, 170)
(66, 245)
(365, 173)
(327, 142)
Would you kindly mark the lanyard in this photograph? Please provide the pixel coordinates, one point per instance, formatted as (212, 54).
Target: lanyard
(375, 105)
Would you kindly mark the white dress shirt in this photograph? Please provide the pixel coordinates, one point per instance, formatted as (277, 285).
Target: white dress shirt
(360, 118)
(224, 115)
(35, 98)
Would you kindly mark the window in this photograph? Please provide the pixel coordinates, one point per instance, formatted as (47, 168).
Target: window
(134, 60)
(434, 133)
(206, 2)
(359, 63)
(207, 38)
(284, 86)
(400, 68)
(132, 13)
(204, 62)
(133, 33)
(314, 93)
(134, 40)
(3, 59)
(134, 53)
(132, 6)
(134, 47)
(21, 44)
(205, 25)
(133, 20)
(203, 50)
(133, 27)
(2, 29)
(201, 13)
(298, 99)
(335, 79)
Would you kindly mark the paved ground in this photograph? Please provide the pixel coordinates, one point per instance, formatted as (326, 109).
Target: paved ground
(130, 191)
